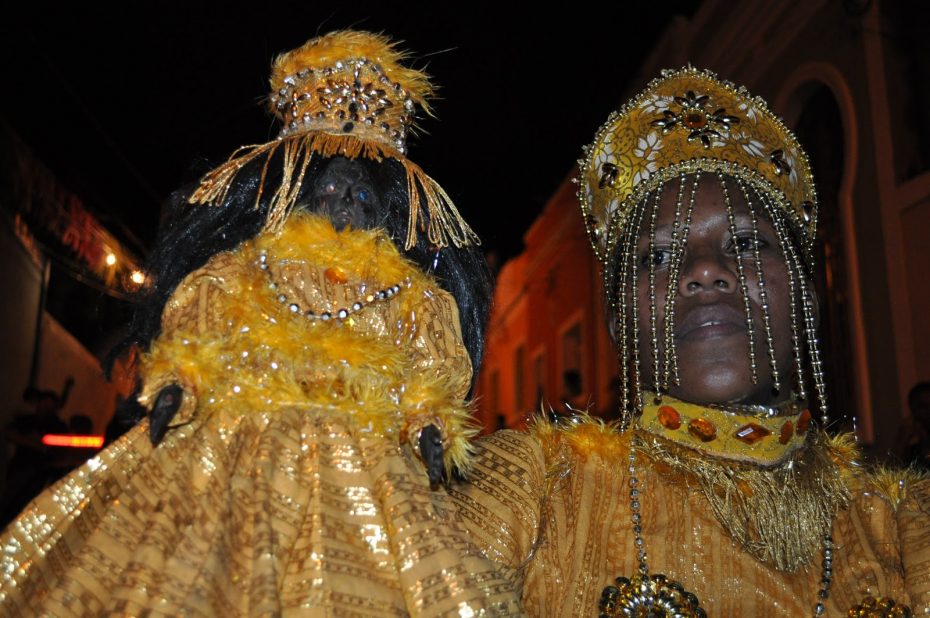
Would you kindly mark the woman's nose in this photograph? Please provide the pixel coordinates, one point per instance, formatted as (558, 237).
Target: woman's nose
(705, 272)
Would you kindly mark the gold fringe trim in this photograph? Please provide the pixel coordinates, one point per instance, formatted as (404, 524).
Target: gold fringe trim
(431, 210)
(268, 364)
(778, 514)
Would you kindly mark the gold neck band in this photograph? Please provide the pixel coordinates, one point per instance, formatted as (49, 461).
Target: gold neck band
(767, 437)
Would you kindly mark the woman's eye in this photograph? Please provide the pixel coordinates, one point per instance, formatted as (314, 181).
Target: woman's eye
(363, 195)
(747, 244)
(657, 258)
(329, 187)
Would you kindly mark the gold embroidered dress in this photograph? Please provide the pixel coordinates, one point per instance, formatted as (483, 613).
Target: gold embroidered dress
(286, 484)
(553, 507)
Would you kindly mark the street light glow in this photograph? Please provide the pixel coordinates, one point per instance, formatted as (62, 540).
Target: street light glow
(111, 259)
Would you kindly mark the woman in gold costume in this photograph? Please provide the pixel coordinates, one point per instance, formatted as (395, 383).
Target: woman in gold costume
(717, 493)
(316, 315)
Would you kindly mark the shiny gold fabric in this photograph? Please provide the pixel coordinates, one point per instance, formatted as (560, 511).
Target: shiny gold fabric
(554, 508)
(287, 484)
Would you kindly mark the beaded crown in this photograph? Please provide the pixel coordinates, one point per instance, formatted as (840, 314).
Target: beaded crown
(348, 83)
(346, 94)
(688, 121)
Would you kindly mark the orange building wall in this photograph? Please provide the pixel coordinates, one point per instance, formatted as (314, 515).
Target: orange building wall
(553, 286)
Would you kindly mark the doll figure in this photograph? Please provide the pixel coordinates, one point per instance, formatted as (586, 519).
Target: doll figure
(309, 340)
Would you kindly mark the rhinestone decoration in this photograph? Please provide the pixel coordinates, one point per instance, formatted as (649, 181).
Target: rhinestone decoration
(350, 95)
(751, 433)
(708, 127)
(804, 421)
(669, 417)
(702, 429)
(786, 433)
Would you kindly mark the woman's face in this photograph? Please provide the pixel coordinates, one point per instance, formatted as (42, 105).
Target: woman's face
(710, 330)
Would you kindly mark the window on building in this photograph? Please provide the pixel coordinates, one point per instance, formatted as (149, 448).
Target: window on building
(496, 391)
(519, 362)
(571, 351)
(539, 379)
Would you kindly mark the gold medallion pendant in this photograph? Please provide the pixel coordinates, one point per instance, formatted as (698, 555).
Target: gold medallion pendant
(648, 596)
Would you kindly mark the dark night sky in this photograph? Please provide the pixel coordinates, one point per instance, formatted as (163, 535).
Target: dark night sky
(119, 102)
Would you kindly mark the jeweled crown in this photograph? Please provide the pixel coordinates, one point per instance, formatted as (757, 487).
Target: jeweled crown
(687, 121)
(348, 83)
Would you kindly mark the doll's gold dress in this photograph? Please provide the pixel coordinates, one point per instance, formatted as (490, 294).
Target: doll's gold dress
(286, 484)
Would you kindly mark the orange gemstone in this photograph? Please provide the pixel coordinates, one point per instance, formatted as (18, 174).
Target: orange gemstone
(335, 275)
(695, 120)
(787, 432)
(702, 429)
(804, 421)
(669, 417)
(751, 433)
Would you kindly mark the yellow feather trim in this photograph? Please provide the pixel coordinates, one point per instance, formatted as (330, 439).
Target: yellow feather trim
(586, 435)
(270, 358)
(893, 484)
(344, 45)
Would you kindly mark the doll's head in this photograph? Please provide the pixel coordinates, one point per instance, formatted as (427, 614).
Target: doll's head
(345, 193)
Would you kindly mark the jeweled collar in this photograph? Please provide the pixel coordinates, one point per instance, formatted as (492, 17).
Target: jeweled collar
(766, 436)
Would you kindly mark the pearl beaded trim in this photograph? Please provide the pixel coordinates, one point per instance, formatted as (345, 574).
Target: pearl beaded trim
(336, 314)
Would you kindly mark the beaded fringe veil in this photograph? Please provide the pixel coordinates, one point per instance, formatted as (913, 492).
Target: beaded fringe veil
(628, 264)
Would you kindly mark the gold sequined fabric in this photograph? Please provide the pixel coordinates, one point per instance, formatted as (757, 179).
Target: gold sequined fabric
(273, 494)
(554, 510)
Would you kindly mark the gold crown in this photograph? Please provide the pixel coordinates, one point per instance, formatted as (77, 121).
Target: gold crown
(345, 94)
(688, 121)
(348, 83)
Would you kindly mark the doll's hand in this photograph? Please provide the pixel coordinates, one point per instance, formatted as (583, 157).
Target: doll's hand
(431, 454)
(165, 407)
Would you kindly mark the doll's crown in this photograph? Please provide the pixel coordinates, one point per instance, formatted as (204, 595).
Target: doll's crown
(349, 83)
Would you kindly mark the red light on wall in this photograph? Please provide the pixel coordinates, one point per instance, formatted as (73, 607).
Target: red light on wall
(72, 440)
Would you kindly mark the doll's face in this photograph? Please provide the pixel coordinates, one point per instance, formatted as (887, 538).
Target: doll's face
(344, 192)
(710, 330)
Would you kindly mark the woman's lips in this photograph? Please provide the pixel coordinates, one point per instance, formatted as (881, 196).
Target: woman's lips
(710, 322)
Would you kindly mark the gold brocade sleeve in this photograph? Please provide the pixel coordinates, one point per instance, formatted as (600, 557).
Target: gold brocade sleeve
(502, 503)
(192, 308)
(438, 346)
(913, 515)
(438, 376)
